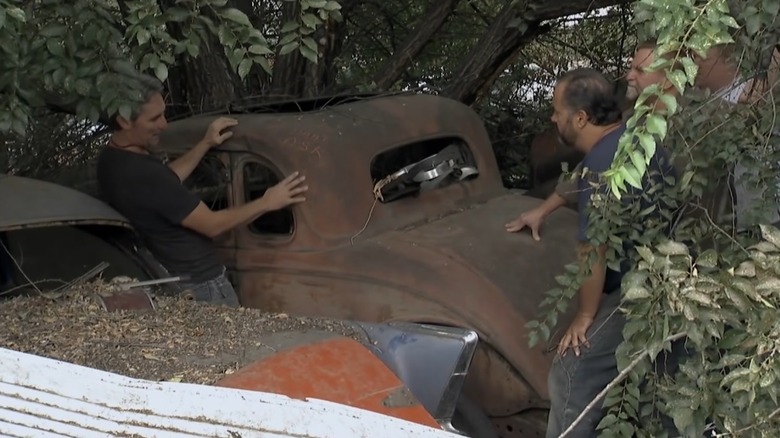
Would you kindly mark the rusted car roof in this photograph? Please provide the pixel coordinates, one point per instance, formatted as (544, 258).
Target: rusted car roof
(28, 202)
(337, 143)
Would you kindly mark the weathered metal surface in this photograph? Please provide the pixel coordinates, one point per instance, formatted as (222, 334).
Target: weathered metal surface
(334, 148)
(29, 202)
(137, 300)
(337, 369)
(43, 397)
(442, 256)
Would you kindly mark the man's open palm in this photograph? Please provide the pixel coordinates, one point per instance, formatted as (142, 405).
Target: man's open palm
(289, 191)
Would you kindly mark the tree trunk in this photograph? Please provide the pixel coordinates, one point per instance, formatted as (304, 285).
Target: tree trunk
(488, 58)
(202, 84)
(501, 44)
(426, 28)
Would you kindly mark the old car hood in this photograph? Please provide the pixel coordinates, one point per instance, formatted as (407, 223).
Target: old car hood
(475, 240)
(28, 202)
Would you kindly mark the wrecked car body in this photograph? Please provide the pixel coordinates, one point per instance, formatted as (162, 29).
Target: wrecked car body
(404, 221)
(57, 236)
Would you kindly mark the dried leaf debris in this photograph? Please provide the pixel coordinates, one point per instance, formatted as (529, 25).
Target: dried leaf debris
(181, 341)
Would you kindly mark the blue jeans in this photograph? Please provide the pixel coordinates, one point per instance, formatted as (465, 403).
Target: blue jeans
(575, 381)
(215, 291)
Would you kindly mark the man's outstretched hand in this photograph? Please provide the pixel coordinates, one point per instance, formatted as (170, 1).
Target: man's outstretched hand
(289, 191)
(215, 135)
(532, 219)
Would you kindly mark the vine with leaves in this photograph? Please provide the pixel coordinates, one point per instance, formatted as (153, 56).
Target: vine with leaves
(705, 287)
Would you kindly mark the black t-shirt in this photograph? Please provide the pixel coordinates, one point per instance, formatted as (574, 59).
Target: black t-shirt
(151, 196)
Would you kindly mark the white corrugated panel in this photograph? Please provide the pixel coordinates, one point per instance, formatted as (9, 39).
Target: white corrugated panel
(41, 397)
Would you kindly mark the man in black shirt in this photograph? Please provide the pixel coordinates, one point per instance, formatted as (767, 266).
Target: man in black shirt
(175, 224)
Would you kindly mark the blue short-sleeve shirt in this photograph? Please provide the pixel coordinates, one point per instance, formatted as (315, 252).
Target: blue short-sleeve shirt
(597, 161)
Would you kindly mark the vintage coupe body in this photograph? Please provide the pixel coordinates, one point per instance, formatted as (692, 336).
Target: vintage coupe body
(404, 221)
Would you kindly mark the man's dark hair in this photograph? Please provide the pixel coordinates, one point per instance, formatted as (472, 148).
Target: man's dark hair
(586, 89)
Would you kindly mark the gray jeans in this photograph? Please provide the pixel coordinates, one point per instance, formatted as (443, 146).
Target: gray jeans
(215, 291)
(575, 381)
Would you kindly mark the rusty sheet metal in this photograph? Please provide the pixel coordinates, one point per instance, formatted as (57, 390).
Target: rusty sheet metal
(43, 397)
(28, 202)
(133, 300)
(339, 370)
(463, 269)
(337, 144)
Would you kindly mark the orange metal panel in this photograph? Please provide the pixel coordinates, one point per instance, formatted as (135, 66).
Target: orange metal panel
(339, 370)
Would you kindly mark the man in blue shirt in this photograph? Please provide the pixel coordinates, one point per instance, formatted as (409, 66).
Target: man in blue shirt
(587, 115)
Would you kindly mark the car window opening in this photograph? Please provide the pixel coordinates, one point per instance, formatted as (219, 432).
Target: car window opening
(421, 166)
(210, 180)
(257, 179)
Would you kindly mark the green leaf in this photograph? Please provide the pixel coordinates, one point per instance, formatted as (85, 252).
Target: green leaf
(143, 36)
(290, 26)
(309, 42)
(236, 16)
(55, 47)
(258, 49)
(287, 48)
(631, 176)
(648, 144)
(161, 71)
(244, 67)
(770, 234)
(672, 248)
(332, 6)
(310, 20)
(636, 293)
(708, 259)
(670, 101)
(753, 24)
(290, 37)
(678, 79)
(729, 21)
(656, 125)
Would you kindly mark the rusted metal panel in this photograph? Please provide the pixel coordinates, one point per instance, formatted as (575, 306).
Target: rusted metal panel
(463, 269)
(44, 397)
(28, 202)
(339, 370)
(334, 148)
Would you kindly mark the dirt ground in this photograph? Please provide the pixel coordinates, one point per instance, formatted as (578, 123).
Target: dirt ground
(181, 340)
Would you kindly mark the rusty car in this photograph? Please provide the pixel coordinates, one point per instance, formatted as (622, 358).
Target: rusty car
(404, 221)
(54, 237)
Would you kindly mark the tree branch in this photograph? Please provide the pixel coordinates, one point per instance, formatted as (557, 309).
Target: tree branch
(620, 377)
(426, 27)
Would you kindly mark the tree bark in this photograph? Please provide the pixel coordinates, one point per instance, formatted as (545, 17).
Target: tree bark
(295, 76)
(202, 84)
(497, 48)
(420, 36)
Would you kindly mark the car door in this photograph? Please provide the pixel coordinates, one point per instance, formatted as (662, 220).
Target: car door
(263, 243)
